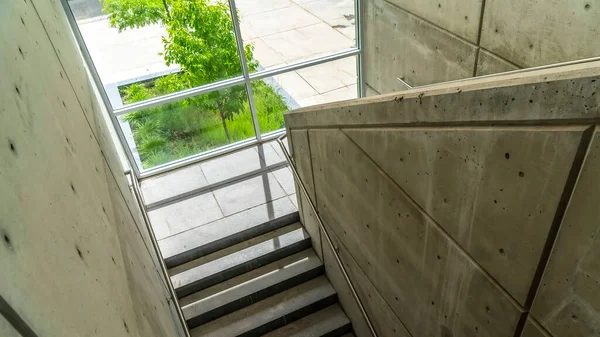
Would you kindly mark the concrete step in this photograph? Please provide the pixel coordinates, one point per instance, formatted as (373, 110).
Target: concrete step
(328, 322)
(241, 261)
(246, 289)
(206, 239)
(272, 313)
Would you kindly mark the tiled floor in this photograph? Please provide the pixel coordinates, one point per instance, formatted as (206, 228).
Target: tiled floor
(282, 32)
(227, 186)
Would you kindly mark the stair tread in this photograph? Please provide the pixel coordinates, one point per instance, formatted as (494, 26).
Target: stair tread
(315, 325)
(200, 241)
(232, 249)
(249, 283)
(192, 280)
(267, 310)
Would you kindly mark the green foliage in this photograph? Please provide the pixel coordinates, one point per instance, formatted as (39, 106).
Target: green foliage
(200, 39)
(125, 14)
(176, 130)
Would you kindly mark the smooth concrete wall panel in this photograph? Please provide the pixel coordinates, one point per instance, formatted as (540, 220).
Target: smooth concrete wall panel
(65, 48)
(398, 44)
(568, 300)
(460, 17)
(494, 190)
(410, 261)
(531, 33)
(64, 255)
(510, 34)
(533, 329)
(150, 302)
(370, 91)
(470, 207)
(385, 322)
(489, 63)
(309, 221)
(303, 164)
(7, 330)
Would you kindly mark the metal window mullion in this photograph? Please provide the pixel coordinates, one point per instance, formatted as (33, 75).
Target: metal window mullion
(242, 54)
(179, 95)
(359, 44)
(98, 82)
(303, 64)
(215, 86)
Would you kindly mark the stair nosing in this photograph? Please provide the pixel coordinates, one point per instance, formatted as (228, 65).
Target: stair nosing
(283, 312)
(230, 240)
(246, 266)
(254, 297)
(336, 325)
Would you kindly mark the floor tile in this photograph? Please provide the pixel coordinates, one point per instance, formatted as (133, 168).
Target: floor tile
(232, 165)
(248, 193)
(225, 227)
(184, 215)
(294, 199)
(172, 183)
(286, 179)
(268, 154)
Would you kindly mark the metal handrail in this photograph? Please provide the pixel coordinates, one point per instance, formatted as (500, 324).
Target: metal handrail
(140, 201)
(327, 236)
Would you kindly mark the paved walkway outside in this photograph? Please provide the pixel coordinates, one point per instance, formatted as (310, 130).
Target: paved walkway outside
(282, 31)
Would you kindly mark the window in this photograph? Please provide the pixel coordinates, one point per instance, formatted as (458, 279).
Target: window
(185, 77)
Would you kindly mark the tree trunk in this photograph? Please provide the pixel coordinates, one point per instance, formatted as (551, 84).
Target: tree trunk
(224, 121)
(166, 9)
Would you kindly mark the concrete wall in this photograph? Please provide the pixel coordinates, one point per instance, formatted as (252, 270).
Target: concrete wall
(428, 41)
(468, 209)
(75, 256)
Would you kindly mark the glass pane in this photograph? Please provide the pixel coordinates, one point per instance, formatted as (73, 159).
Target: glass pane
(285, 31)
(176, 130)
(133, 42)
(324, 83)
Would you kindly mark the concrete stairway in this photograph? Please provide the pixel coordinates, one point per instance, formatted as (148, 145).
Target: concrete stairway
(257, 282)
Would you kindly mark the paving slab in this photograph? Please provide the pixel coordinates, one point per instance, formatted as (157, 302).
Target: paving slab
(308, 42)
(276, 21)
(249, 7)
(295, 86)
(340, 94)
(265, 55)
(330, 76)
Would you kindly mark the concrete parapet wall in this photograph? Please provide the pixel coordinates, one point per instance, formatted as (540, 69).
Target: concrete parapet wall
(468, 209)
(425, 42)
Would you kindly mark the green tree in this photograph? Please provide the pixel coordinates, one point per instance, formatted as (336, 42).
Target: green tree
(199, 39)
